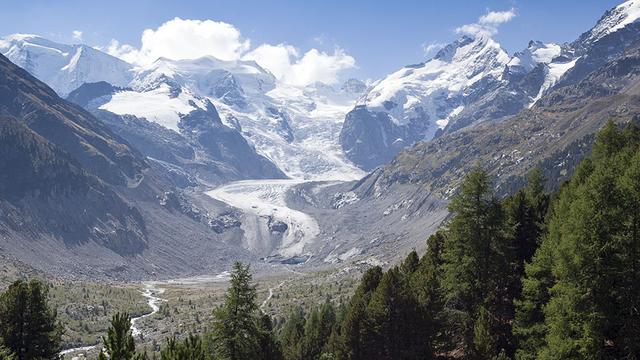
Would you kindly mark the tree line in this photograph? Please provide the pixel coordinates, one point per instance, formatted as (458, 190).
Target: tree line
(531, 276)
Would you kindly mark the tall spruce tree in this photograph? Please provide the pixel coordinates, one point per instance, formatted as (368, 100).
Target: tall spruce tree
(235, 333)
(353, 326)
(580, 293)
(267, 342)
(476, 252)
(292, 335)
(395, 326)
(28, 325)
(426, 287)
(119, 343)
(191, 348)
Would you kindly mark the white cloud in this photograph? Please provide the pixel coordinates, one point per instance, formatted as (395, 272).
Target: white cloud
(286, 64)
(123, 51)
(428, 49)
(497, 17)
(188, 39)
(488, 23)
(319, 66)
(185, 39)
(77, 35)
(275, 58)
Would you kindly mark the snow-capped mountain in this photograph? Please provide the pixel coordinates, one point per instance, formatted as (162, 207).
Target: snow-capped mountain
(474, 80)
(417, 101)
(64, 67)
(296, 128)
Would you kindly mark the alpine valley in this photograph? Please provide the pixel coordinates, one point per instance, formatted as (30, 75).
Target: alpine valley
(168, 172)
(276, 173)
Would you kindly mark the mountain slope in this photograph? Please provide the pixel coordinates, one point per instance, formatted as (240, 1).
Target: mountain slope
(44, 191)
(556, 133)
(67, 126)
(73, 190)
(471, 81)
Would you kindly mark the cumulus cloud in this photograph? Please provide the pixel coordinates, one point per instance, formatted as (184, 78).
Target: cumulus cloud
(185, 39)
(286, 63)
(488, 23)
(189, 39)
(319, 66)
(497, 17)
(276, 58)
(76, 35)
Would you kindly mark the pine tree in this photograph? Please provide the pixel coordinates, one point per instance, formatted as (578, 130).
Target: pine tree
(267, 342)
(395, 326)
(630, 293)
(410, 263)
(190, 348)
(313, 342)
(6, 354)
(476, 252)
(484, 340)
(426, 286)
(235, 333)
(292, 335)
(592, 309)
(28, 325)
(353, 327)
(119, 343)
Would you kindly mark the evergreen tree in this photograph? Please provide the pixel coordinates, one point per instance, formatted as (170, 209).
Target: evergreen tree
(119, 343)
(630, 276)
(235, 332)
(292, 335)
(580, 294)
(476, 252)
(269, 346)
(484, 340)
(426, 286)
(190, 348)
(318, 327)
(313, 342)
(28, 325)
(410, 263)
(6, 354)
(353, 326)
(395, 328)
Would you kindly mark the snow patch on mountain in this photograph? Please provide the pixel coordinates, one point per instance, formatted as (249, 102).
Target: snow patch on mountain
(536, 53)
(421, 91)
(554, 72)
(616, 19)
(158, 105)
(64, 67)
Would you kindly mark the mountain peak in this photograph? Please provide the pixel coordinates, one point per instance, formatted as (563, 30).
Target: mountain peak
(615, 19)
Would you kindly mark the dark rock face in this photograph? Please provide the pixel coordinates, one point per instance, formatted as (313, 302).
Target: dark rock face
(277, 226)
(90, 92)
(354, 86)
(370, 139)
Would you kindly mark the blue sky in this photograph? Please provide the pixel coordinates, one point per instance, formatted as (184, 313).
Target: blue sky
(380, 35)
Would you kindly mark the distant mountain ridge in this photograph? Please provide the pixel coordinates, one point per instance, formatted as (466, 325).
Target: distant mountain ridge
(471, 81)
